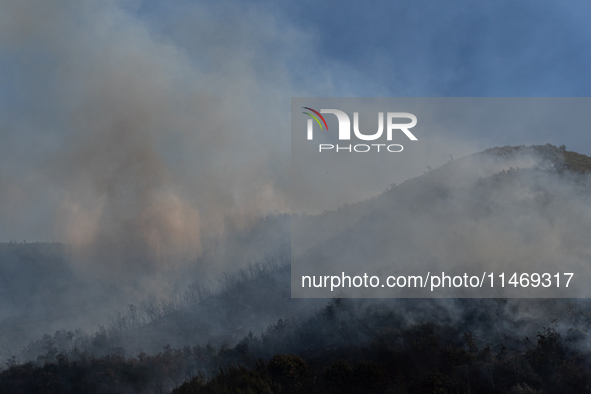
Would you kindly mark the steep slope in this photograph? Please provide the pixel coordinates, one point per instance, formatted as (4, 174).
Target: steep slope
(249, 306)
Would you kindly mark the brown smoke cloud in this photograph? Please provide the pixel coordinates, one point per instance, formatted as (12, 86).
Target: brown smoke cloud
(141, 143)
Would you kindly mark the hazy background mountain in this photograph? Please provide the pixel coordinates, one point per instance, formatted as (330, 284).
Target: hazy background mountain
(505, 209)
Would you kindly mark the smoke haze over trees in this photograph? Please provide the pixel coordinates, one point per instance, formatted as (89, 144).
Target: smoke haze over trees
(248, 315)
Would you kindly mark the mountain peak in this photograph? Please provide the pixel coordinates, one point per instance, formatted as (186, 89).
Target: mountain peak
(559, 156)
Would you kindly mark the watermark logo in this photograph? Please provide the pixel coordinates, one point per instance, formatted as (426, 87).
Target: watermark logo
(310, 124)
(392, 125)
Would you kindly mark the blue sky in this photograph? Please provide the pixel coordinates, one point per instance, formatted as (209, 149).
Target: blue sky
(460, 48)
(433, 48)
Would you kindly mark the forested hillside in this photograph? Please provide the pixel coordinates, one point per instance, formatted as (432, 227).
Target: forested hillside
(245, 334)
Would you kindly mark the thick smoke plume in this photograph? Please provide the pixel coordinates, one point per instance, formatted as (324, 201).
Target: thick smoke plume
(131, 145)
